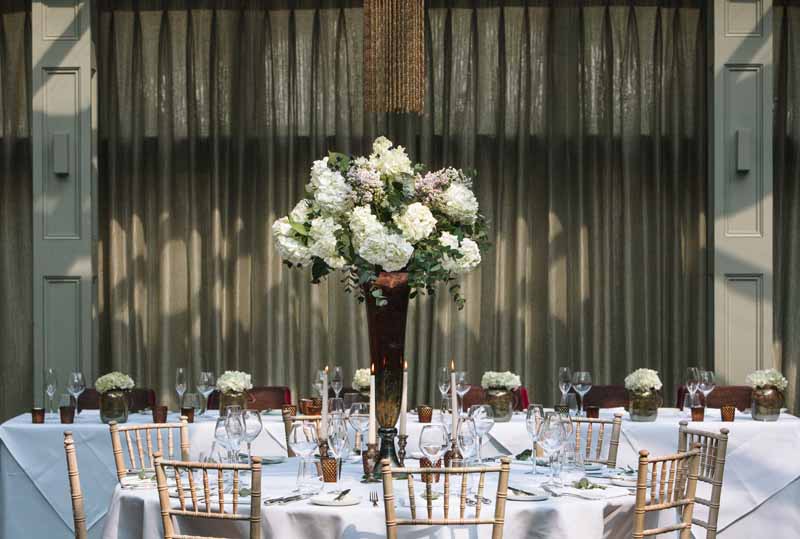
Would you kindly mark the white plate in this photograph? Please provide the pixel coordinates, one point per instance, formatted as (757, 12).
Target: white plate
(273, 460)
(593, 467)
(627, 483)
(328, 500)
(526, 498)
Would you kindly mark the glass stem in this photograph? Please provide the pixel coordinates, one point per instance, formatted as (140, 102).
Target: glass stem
(533, 457)
(249, 452)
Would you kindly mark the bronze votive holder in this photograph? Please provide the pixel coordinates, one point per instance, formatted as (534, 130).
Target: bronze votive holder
(698, 413)
(188, 412)
(425, 462)
(37, 415)
(561, 409)
(728, 412)
(592, 412)
(289, 409)
(67, 414)
(425, 413)
(159, 414)
(310, 406)
(330, 469)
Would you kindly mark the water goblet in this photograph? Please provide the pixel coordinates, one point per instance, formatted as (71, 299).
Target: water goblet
(533, 423)
(303, 441)
(180, 384)
(338, 444)
(582, 382)
(252, 428)
(483, 416)
(444, 385)
(552, 436)
(433, 442)
(50, 388)
(707, 384)
(462, 388)
(564, 382)
(692, 381)
(235, 429)
(337, 381)
(76, 386)
(205, 386)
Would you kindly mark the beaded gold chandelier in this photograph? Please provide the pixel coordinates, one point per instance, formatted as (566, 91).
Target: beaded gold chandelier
(394, 55)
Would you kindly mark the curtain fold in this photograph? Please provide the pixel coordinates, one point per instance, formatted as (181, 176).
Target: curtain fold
(585, 122)
(16, 247)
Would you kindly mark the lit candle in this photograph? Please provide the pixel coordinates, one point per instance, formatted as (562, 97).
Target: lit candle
(404, 400)
(372, 422)
(324, 425)
(453, 399)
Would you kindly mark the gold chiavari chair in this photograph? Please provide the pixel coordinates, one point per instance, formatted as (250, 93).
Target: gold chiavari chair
(78, 513)
(205, 501)
(497, 521)
(594, 435)
(673, 482)
(144, 450)
(289, 420)
(713, 448)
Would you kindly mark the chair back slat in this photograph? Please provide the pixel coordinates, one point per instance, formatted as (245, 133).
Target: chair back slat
(428, 476)
(713, 449)
(665, 493)
(78, 511)
(594, 445)
(139, 442)
(207, 510)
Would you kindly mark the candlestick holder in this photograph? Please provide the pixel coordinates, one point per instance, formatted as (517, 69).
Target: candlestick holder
(402, 440)
(323, 449)
(387, 450)
(452, 454)
(369, 459)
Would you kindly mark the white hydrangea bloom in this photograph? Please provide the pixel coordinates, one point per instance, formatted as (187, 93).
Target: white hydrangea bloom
(380, 145)
(234, 382)
(459, 203)
(470, 254)
(289, 247)
(643, 380)
(364, 224)
(506, 380)
(361, 379)
(113, 380)
(416, 222)
(331, 191)
(390, 251)
(767, 377)
(323, 241)
(389, 161)
(300, 212)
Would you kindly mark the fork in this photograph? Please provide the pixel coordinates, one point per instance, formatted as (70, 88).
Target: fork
(373, 497)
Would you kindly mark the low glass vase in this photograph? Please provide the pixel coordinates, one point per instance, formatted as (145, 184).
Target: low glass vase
(767, 403)
(502, 402)
(643, 405)
(114, 406)
(232, 398)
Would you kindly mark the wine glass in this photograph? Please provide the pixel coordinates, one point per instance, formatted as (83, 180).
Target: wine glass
(50, 387)
(467, 439)
(707, 384)
(564, 382)
(692, 381)
(303, 441)
(551, 439)
(338, 444)
(483, 416)
(76, 386)
(337, 381)
(433, 442)
(205, 386)
(252, 428)
(444, 384)
(336, 406)
(221, 436)
(462, 388)
(582, 382)
(358, 417)
(180, 384)
(533, 422)
(318, 383)
(235, 429)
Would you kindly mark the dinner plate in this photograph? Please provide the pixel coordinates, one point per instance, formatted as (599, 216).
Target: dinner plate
(593, 467)
(273, 460)
(527, 498)
(329, 500)
(627, 483)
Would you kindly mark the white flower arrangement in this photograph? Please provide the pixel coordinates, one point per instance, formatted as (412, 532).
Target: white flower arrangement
(361, 379)
(365, 215)
(767, 378)
(234, 382)
(506, 380)
(643, 380)
(114, 380)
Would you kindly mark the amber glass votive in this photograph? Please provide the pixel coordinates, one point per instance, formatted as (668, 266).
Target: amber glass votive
(425, 413)
(67, 414)
(728, 412)
(289, 409)
(562, 409)
(329, 469)
(425, 462)
(698, 413)
(592, 412)
(37, 415)
(188, 411)
(159, 414)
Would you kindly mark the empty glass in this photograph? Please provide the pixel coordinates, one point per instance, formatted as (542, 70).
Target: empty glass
(303, 441)
(444, 385)
(338, 444)
(358, 416)
(76, 386)
(180, 384)
(221, 438)
(205, 386)
(318, 382)
(433, 442)
(336, 406)
(582, 382)
(552, 436)
(462, 388)
(50, 388)
(483, 416)
(564, 382)
(337, 381)
(234, 428)
(467, 439)
(707, 384)
(533, 422)
(252, 428)
(692, 381)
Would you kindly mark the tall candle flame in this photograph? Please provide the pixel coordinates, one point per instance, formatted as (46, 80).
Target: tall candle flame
(326, 369)
(372, 368)
(452, 364)
(405, 365)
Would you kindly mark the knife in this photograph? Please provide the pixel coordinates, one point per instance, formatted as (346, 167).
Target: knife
(342, 494)
(520, 491)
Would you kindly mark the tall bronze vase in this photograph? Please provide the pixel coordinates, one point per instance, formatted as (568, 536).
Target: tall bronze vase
(387, 334)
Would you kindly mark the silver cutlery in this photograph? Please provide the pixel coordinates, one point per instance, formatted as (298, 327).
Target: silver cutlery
(342, 494)
(283, 499)
(373, 497)
(519, 491)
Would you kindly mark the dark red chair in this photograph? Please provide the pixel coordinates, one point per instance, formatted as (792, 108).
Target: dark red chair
(138, 399)
(259, 398)
(606, 396)
(739, 396)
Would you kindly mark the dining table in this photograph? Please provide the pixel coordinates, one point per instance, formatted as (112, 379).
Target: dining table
(761, 485)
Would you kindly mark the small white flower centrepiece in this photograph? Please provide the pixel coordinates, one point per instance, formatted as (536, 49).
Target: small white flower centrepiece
(383, 213)
(500, 380)
(234, 382)
(643, 380)
(114, 381)
(361, 380)
(767, 378)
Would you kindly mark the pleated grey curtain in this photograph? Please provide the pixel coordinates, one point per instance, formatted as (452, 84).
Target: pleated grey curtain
(585, 122)
(786, 40)
(16, 248)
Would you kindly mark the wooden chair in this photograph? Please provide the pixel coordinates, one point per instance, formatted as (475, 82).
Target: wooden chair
(259, 398)
(673, 487)
(78, 513)
(713, 448)
(497, 521)
(289, 420)
(135, 445)
(739, 396)
(138, 399)
(594, 445)
(200, 504)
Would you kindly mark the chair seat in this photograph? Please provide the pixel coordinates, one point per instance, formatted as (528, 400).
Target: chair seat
(260, 398)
